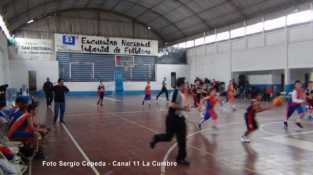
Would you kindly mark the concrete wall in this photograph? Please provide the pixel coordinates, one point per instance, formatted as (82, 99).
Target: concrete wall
(280, 49)
(4, 60)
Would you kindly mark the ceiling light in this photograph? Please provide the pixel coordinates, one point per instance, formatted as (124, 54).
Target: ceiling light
(30, 21)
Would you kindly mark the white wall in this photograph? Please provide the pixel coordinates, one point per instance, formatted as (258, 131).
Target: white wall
(210, 61)
(266, 51)
(256, 79)
(19, 72)
(4, 61)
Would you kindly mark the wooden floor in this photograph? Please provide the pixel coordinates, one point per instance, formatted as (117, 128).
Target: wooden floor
(122, 128)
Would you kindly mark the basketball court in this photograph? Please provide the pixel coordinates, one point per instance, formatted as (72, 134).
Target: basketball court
(121, 132)
(115, 85)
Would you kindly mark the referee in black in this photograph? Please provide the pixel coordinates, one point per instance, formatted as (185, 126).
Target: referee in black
(175, 123)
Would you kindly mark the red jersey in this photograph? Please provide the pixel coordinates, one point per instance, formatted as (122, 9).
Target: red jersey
(148, 90)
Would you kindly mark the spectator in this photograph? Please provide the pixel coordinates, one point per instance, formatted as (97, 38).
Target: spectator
(48, 90)
(59, 100)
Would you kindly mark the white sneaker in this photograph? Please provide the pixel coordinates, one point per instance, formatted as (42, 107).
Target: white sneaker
(244, 139)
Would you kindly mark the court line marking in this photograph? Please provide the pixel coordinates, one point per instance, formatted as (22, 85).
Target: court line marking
(165, 158)
(122, 112)
(139, 125)
(195, 133)
(301, 144)
(113, 114)
(196, 148)
(30, 167)
(112, 99)
(295, 133)
(79, 148)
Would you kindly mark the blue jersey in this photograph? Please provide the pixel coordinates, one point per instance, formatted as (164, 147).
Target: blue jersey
(7, 113)
(15, 115)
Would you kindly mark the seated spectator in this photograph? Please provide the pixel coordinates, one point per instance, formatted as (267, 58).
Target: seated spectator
(24, 129)
(18, 110)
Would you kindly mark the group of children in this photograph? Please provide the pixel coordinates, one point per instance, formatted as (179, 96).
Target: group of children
(206, 97)
(297, 102)
(20, 123)
(206, 100)
(21, 135)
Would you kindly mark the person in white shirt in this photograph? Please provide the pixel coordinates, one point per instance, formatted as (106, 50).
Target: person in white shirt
(296, 104)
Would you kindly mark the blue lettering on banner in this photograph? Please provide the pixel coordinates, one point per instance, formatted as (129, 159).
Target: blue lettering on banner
(68, 39)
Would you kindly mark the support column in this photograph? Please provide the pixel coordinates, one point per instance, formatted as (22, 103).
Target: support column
(288, 86)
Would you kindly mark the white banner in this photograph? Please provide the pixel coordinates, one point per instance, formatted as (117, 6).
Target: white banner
(105, 45)
(39, 49)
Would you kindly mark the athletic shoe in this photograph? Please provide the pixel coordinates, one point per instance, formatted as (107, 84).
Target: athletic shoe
(285, 125)
(152, 144)
(199, 126)
(63, 122)
(299, 125)
(244, 139)
(183, 162)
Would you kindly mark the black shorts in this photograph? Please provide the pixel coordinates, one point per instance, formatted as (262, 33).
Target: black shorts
(101, 95)
(250, 120)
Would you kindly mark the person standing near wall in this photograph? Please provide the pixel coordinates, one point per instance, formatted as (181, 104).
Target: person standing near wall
(3, 89)
(48, 90)
(175, 123)
(163, 90)
(100, 93)
(59, 100)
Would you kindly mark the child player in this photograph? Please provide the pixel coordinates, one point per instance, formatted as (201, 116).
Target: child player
(250, 117)
(296, 104)
(100, 93)
(147, 94)
(209, 101)
(231, 95)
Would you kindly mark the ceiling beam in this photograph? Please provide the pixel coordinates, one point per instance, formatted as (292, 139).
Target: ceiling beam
(53, 13)
(238, 9)
(206, 9)
(195, 14)
(22, 14)
(116, 4)
(162, 16)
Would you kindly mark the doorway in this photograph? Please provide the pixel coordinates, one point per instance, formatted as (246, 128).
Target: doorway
(173, 79)
(32, 81)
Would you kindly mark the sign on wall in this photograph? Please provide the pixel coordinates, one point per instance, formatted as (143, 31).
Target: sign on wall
(38, 49)
(105, 45)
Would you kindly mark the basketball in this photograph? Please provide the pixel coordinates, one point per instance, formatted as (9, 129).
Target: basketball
(278, 101)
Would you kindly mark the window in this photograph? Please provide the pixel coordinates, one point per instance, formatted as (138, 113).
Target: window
(238, 32)
(300, 17)
(199, 41)
(190, 44)
(222, 36)
(254, 28)
(210, 39)
(182, 45)
(275, 23)
(175, 46)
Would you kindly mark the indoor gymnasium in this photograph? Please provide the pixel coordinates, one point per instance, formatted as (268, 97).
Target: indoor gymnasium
(156, 87)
